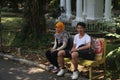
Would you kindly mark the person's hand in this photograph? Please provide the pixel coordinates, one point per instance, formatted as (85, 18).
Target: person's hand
(73, 50)
(52, 50)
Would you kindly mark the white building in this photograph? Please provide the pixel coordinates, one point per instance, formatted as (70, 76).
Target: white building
(86, 10)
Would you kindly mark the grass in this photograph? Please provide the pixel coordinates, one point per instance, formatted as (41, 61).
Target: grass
(7, 38)
(10, 26)
(11, 23)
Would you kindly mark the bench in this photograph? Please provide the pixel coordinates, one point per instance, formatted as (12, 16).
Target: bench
(90, 64)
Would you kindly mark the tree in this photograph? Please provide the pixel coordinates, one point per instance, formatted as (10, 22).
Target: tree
(12, 4)
(35, 26)
(116, 4)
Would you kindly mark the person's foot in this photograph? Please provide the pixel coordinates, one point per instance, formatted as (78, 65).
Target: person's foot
(61, 72)
(55, 70)
(75, 75)
(50, 67)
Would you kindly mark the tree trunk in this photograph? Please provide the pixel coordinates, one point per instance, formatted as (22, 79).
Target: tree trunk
(35, 11)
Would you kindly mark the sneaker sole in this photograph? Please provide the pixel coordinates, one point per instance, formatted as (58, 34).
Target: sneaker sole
(61, 75)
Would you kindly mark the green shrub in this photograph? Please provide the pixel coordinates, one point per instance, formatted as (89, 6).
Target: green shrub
(113, 63)
(12, 23)
(43, 42)
(113, 35)
(7, 9)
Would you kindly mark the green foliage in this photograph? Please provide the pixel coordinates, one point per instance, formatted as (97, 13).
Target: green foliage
(7, 38)
(10, 26)
(12, 23)
(7, 9)
(117, 24)
(43, 42)
(54, 8)
(113, 64)
(109, 26)
(113, 36)
(111, 46)
(10, 5)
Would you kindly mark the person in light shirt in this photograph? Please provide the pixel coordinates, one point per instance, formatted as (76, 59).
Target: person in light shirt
(81, 48)
(61, 40)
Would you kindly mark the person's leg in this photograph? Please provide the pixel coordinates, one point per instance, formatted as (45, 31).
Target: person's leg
(75, 59)
(48, 56)
(61, 55)
(75, 63)
(54, 57)
(49, 65)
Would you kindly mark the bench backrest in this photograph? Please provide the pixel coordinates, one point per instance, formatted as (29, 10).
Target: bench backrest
(103, 50)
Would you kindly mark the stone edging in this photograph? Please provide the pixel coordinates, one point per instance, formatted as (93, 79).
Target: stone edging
(28, 62)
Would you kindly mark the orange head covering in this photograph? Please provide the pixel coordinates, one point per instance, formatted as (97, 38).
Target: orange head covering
(60, 25)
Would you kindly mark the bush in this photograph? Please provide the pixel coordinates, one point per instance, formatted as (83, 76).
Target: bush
(118, 30)
(44, 41)
(54, 9)
(7, 9)
(113, 64)
(12, 23)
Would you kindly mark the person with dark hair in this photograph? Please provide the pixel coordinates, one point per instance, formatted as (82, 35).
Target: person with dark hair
(81, 48)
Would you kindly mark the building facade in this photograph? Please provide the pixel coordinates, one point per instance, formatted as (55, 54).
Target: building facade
(86, 10)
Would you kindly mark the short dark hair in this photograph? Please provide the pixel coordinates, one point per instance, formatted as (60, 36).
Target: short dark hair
(81, 24)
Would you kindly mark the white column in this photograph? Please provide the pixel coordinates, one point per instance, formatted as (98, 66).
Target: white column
(90, 9)
(62, 17)
(79, 13)
(62, 3)
(108, 9)
(68, 9)
(85, 8)
(95, 9)
(79, 10)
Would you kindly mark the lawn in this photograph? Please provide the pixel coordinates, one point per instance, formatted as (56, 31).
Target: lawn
(12, 23)
(10, 26)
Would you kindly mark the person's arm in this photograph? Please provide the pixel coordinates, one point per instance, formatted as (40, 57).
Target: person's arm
(55, 44)
(63, 46)
(73, 48)
(85, 47)
(65, 41)
(74, 45)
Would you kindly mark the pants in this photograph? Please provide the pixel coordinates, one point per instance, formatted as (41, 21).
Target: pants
(84, 54)
(52, 57)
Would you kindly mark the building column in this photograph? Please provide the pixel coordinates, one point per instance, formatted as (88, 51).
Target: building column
(62, 17)
(85, 10)
(95, 9)
(79, 11)
(68, 9)
(107, 9)
(62, 3)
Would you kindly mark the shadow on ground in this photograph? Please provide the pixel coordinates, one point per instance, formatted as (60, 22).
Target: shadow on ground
(10, 70)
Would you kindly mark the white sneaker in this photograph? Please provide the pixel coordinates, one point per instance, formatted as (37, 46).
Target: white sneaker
(61, 72)
(48, 68)
(75, 75)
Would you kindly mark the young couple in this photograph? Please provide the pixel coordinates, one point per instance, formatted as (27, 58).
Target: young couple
(81, 48)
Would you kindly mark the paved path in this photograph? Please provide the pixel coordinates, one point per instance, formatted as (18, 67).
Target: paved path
(10, 70)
